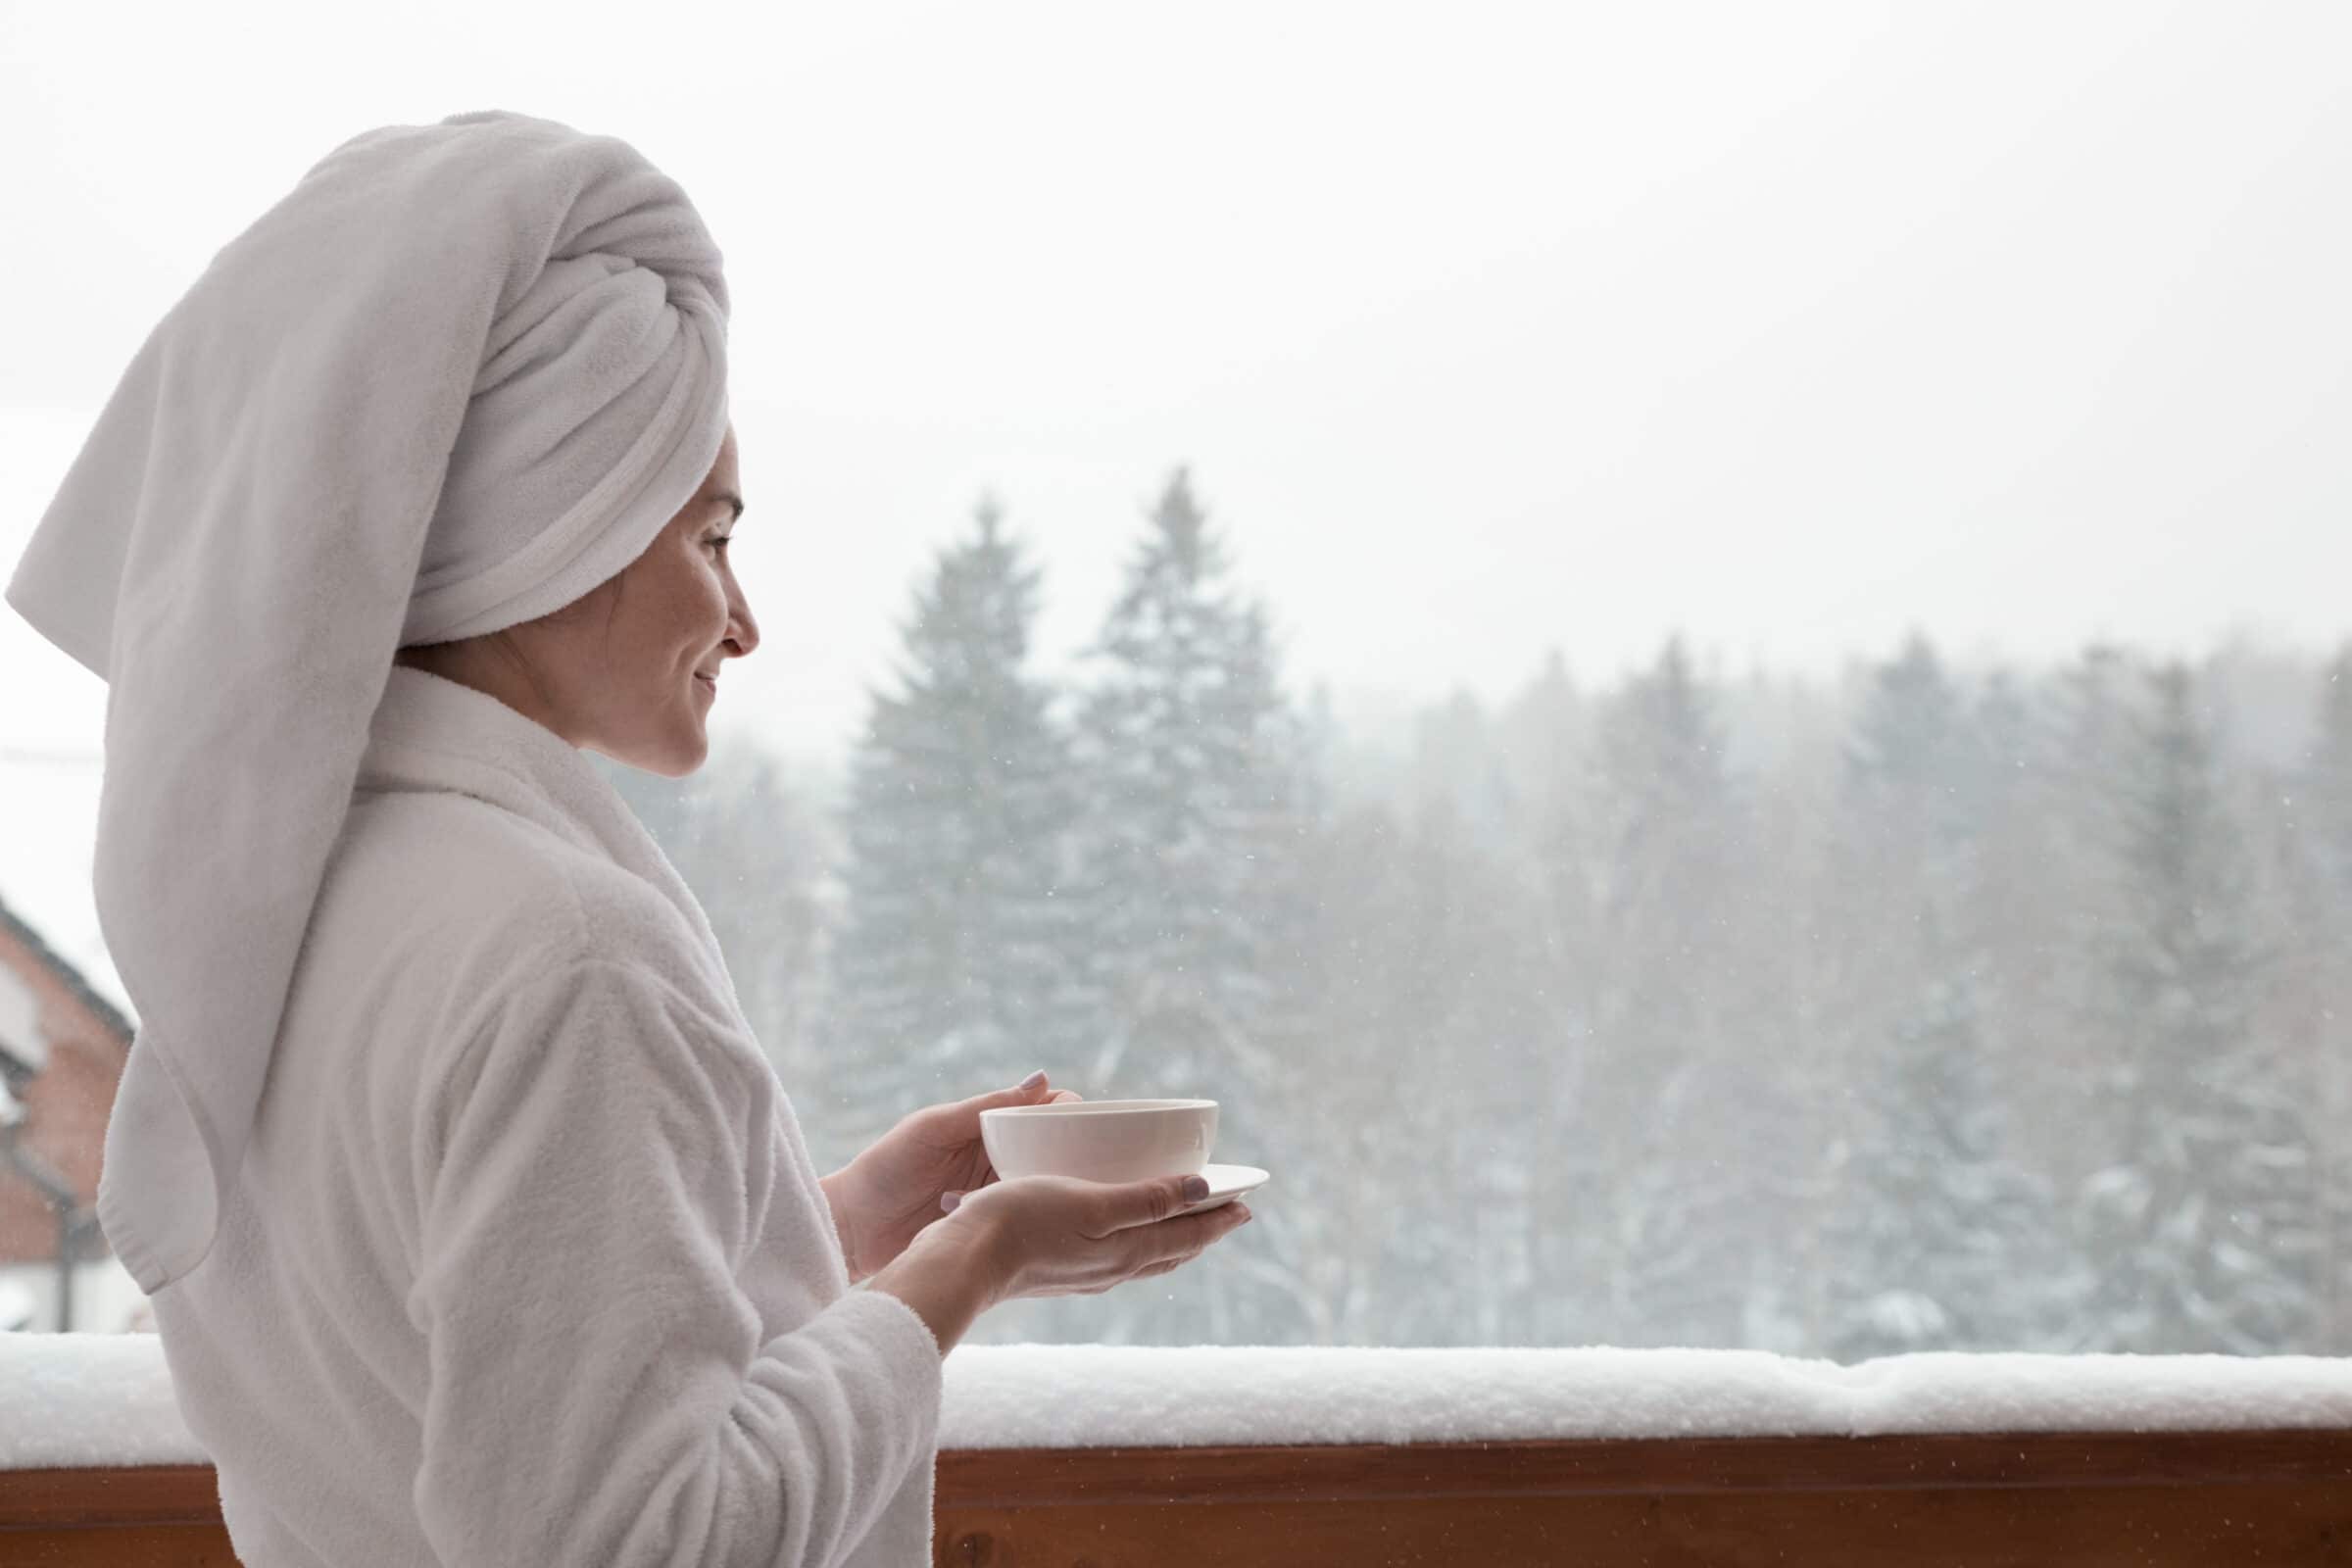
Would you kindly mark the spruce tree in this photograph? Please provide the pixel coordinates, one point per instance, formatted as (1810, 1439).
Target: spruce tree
(1551, 746)
(1365, 1246)
(2017, 912)
(1939, 1238)
(1188, 749)
(955, 960)
(1468, 1029)
(1679, 1108)
(2323, 814)
(2204, 1223)
(2088, 744)
(1190, 841)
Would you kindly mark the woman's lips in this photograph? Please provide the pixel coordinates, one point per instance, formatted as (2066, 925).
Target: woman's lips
(710, 683)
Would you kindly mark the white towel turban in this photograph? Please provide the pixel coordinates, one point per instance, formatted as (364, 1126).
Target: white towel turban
(458, 377)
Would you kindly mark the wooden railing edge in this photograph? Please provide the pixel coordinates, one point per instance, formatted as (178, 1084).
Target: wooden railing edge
(1646, 1466)
(1017, 1478)
(87, 1496)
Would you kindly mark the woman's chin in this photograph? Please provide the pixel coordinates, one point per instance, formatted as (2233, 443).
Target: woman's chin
(688, 751)
(677, 750)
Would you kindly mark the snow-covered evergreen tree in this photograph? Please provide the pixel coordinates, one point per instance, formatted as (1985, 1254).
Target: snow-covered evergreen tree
(1937, 1236)
(1190, 840)
(1468, 1018)
(2016, 911)
(1459, 761)
(1549, 748)
(956, 964)
(1189, 753)
(2204, 1224)
(1328, 1280)
(1388, 1153)
(2323, 810)
(2090, 744)
(1679, 1100)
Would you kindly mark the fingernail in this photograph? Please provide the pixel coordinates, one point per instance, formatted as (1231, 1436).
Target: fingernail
(949, 1200)
(1034, 1079)
(1194, 1189)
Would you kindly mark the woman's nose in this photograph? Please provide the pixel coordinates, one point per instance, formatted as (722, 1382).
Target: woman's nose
(743, 632)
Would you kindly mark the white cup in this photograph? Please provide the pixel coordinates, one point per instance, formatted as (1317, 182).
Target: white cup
(1100, 1140)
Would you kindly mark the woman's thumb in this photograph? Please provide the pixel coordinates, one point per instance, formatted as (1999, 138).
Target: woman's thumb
(1020, 1094)
(1161, 1198)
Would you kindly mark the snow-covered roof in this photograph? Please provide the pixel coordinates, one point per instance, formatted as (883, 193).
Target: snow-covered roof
(109, 1016)
(93, 1399)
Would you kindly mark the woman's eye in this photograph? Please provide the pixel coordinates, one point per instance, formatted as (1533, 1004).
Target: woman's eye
(721, 540)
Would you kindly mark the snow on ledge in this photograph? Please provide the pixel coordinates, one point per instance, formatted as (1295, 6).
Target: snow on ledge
(1073, 1397)
(105, 1399)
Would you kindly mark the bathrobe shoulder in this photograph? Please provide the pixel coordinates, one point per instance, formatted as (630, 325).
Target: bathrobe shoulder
(529, 1263)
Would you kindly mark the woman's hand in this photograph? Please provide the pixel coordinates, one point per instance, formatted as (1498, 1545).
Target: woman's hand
(1059, 1236)
(1050, 1236)
(886, 1195)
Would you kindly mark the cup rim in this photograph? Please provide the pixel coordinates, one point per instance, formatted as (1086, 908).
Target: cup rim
(1100, 1108)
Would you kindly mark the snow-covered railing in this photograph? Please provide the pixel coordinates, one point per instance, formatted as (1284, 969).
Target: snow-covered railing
(1056, 1454)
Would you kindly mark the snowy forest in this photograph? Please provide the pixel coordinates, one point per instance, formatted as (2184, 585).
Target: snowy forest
(1933, 1007)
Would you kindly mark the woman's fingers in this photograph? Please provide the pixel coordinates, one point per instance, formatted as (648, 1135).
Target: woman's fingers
(1064, 1234)
(1188, 1235)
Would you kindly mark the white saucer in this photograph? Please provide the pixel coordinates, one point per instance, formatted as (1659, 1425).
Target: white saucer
(1225, 1184)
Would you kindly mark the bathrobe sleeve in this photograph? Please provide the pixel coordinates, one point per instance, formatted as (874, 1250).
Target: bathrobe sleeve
(600, 1387)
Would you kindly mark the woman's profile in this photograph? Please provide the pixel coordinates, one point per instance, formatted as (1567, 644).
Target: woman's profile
(477, 1226)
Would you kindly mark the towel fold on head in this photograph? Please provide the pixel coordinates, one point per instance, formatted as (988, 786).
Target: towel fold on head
(458, 377)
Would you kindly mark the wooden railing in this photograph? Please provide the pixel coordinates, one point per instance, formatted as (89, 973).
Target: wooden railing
(2282, 1499)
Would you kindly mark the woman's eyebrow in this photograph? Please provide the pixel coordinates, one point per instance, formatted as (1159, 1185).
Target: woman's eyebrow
(732, 498)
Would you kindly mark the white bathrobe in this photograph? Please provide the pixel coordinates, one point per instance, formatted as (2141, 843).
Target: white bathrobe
(527, 1264)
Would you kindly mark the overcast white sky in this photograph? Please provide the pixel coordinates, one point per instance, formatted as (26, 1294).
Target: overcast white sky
(1485, 328)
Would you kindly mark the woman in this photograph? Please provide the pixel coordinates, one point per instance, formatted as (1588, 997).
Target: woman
(477, 1227)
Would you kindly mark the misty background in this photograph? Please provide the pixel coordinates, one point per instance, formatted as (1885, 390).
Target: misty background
(1501, 347)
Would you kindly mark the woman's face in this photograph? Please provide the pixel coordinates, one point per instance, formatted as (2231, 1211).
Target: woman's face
(630, 668)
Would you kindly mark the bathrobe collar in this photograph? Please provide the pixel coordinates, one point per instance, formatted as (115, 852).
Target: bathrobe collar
(433, 733)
